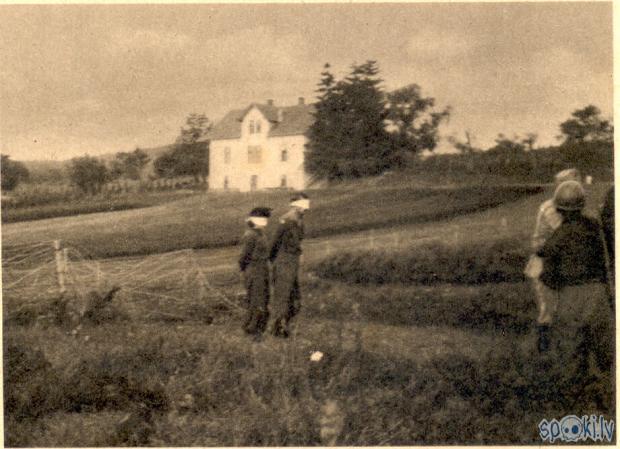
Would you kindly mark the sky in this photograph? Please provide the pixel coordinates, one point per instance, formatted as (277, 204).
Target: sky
(95, 79)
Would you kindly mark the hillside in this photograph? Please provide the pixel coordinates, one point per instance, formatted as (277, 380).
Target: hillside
(214, 220)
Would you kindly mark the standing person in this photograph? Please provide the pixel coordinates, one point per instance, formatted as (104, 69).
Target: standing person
(253, 263)
(284, 255)
(607, 221)
(547, 221)
(574, 269)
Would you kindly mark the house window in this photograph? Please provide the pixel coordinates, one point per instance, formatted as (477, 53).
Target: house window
(254, 155)
(284, 155)
(251, 126)
(225, 182)
(283, 181)
(227, 155)
(257, 126)
(254, 182)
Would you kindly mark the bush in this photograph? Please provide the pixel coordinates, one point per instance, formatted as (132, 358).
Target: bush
(29, 382)
(539, 166)
(430, 263)
(500, 308)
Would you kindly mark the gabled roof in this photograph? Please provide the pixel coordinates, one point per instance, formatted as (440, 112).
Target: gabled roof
(295, 121)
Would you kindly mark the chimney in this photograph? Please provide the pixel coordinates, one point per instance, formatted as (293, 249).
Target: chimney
(280, 115)
(302, 101)
(270, 102)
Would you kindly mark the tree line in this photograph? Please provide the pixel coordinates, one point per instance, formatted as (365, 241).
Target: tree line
(359, 129)
(188, 156)
(362, 130)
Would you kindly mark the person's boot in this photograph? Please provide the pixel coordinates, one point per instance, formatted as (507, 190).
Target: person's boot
(543, 338)
(279, 329)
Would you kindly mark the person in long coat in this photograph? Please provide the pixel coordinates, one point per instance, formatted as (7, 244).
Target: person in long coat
(547, 221)
(285, 254)
(254, 264)
(574, 269)
(608, 223)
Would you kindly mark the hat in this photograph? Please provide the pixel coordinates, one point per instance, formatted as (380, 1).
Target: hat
(569, 196)
(570, 174)
(261, 212)
(299, 196)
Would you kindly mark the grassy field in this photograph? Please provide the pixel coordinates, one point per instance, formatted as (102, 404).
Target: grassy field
(216, 220)
(441, 361)
(87, 205)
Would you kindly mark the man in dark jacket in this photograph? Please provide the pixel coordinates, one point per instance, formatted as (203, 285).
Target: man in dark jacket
(284, 255)
(607, 221)
(253, 263)
(574, 268)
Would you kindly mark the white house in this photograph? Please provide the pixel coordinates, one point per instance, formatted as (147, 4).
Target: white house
(260, 147)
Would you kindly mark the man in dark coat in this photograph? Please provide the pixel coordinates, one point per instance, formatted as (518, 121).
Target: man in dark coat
(253, 263)
(607, 220)
(574, 268)
(284, 255)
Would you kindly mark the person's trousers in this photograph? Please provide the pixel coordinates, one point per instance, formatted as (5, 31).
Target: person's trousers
(286, 295)
(257, 287)
(584, 328)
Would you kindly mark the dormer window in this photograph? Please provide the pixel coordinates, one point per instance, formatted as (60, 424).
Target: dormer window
(257, 126)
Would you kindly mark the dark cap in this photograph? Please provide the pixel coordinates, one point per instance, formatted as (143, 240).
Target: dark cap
(261, 212)
(299, 196)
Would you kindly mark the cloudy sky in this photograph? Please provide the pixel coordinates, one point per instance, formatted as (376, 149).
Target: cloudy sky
(107, 78)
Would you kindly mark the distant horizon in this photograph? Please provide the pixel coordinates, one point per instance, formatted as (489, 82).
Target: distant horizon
(99, 79)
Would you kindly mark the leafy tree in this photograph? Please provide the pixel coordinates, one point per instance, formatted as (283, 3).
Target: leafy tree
(189, 156)
(165, 165)
(196, 126)
(510, 154)
(586, 125)
(184, 160)
(506, 146)
(359, 130)
(413, 119)
(465, 147)
(348, 138)
(88, 174)
(129, 165)
(529, 140)
(12, 173)
(191, 159)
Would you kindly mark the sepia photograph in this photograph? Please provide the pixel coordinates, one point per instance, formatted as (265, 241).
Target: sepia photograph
(307, 224)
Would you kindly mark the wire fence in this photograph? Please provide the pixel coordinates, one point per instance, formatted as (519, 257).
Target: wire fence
(173, 284)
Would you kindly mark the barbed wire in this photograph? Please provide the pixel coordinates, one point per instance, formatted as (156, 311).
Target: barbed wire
(33, 273)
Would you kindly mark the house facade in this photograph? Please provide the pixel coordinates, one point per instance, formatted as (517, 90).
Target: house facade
(260, 147)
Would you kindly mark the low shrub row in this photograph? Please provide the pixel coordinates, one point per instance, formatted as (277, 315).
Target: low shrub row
(498, 308)
(430, 263)
(86, 205)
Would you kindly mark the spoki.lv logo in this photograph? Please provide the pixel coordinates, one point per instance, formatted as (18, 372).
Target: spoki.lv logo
(572, 429)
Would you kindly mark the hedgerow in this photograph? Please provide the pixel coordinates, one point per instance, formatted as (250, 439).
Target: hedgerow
(430, 263)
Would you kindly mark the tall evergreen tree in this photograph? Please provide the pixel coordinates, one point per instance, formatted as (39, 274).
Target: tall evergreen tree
(348, 138)
(320, 160)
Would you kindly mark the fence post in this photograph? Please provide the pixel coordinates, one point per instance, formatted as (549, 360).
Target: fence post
(60, 266)
(99, 276)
